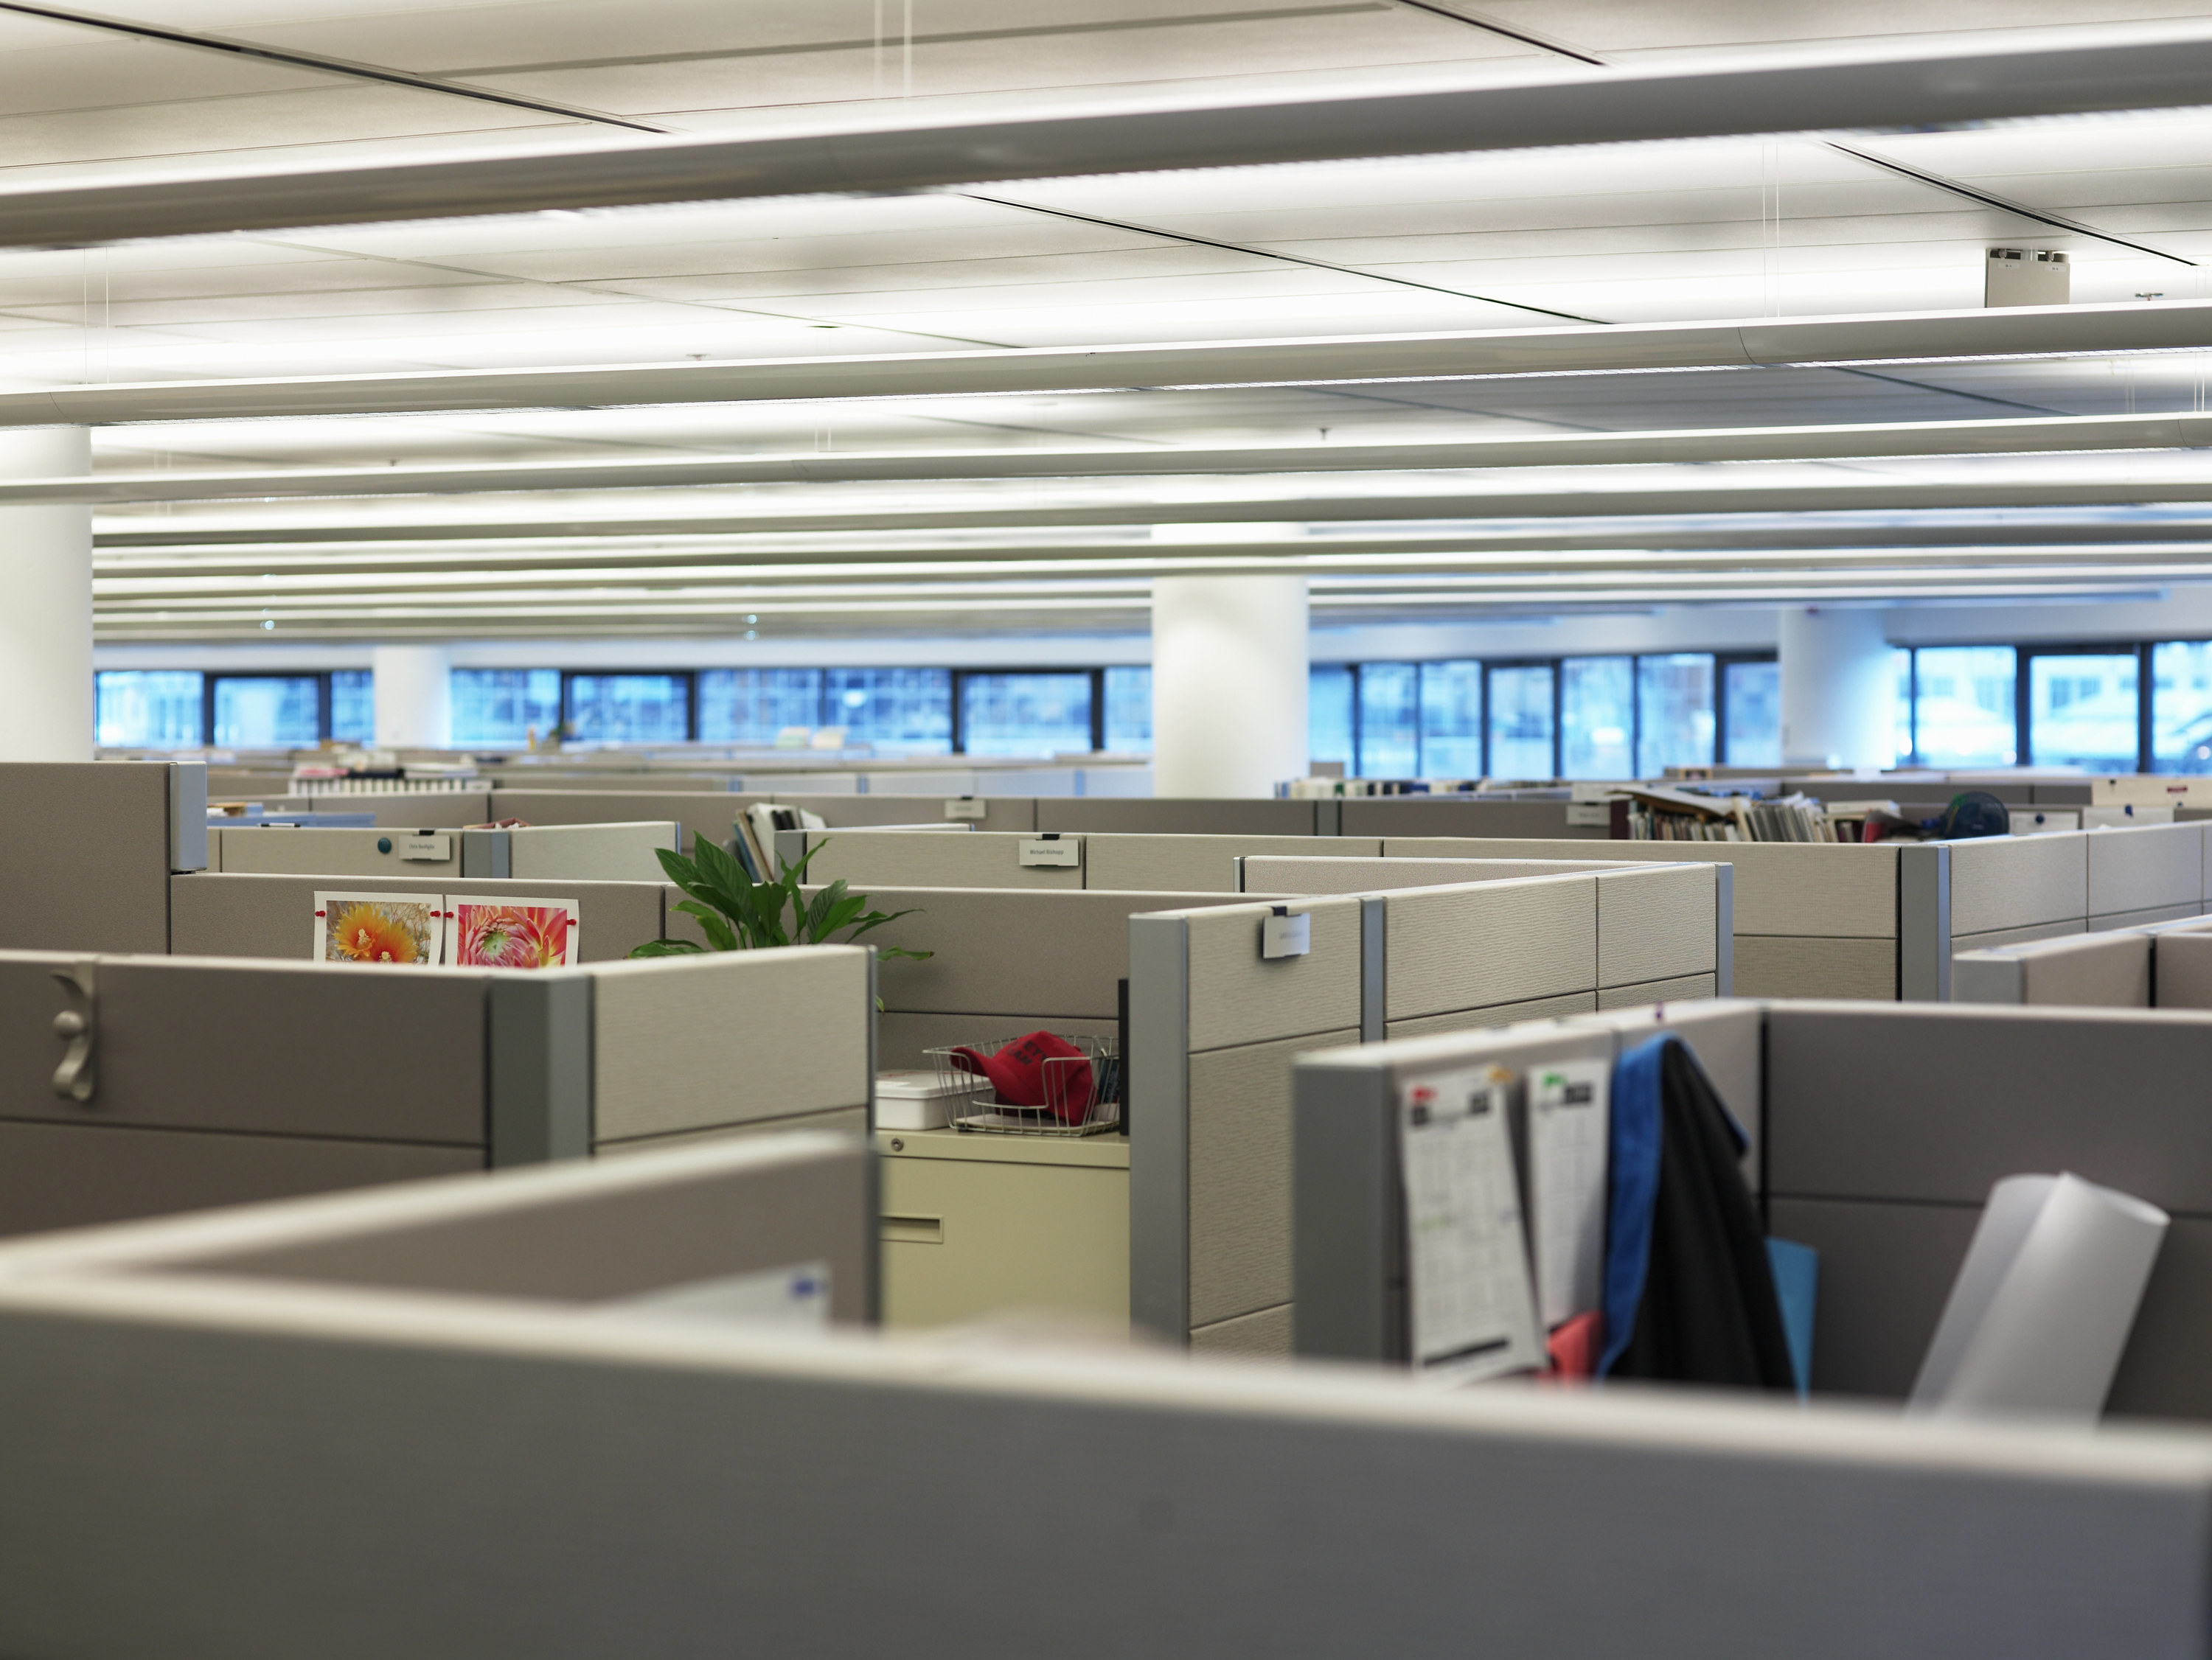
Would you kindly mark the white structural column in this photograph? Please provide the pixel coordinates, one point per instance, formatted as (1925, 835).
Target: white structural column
(414, 701)
(45, 603)
(1838, 690)
(1229, 684)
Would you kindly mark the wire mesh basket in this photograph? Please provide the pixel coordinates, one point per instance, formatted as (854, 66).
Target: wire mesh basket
(1075, 1094)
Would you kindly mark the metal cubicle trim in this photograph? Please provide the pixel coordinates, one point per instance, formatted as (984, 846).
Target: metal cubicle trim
(1329, 817)
(1374, 937)
(188, 828)
(1341, 1178)
(1723, 929)
(872, 1294)
(488, 854)
(539, 1051)
(1159, 1069)
(1924, 922)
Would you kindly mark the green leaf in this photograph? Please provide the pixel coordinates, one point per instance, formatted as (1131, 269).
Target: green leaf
(876, 919)
(720, 935)
(665, 949)
(900, 951)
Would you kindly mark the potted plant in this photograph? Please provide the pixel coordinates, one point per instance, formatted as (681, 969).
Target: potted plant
(737, 913)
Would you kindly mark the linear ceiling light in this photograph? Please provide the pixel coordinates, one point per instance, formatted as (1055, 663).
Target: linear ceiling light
(1846, 441)
(1912, 86)
(1767, 342)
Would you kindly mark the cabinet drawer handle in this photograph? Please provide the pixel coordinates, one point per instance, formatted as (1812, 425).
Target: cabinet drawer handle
(914, 1230)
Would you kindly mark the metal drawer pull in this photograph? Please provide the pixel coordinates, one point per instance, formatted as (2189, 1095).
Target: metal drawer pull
(914, 1230)
(79, 1029)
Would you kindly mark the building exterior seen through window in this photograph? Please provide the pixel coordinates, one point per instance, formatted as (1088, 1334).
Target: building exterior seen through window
(2102, 707)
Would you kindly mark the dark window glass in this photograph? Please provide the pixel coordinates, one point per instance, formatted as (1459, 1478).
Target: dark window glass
(1521, 722)
(353, 705)
(1025, 714)
(1674, 695)
(1129, 710)
(1753, 737)
(1451, 720)
(1597, 717)
(267, 711)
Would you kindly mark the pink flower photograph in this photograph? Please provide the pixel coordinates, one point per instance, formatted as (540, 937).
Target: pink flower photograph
(511, 934)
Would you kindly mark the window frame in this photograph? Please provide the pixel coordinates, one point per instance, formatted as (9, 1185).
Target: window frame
(688, 676)
(210, 677)
(961, 676)
(2024, 654)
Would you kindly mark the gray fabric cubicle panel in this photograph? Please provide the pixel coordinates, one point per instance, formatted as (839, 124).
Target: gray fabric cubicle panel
(2007, 883)
(592, 853)
(425, 809)
(1683, 988)
(1788, 965)
(1139, 815)
(1014, 813)
(1489, 943)
(1656, 925)
(1445, 815)
(1817, 889)
(152, 1421)
(275, 1049)
(693, 1043)
(218, 914)
(1014, 954)
(1306, 873)
(88, 868)
(2026, 934)
(701, 813)
(1201, 864)
(2111, 920)
(539, 777)
(1503, 1014)
(284, 850)
(75, 1175)
(897, 858)
(1238, 997)
(578, 1234)
(2183, 964)
(1931, 1104)
(2085, 971)
(2146, 867)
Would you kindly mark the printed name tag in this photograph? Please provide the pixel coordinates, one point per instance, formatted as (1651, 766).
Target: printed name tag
(426, 848)
(1285, 936)
(1040, 851)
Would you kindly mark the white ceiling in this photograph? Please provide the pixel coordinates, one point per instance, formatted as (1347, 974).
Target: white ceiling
(1683, 230)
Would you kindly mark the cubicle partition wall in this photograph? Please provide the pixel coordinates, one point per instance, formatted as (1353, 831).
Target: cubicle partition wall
(590, 852)
(1119, 863)
(227, 914)
(1215, 1023)
(1881, 1130)
(91, 848)
(390, 810)
(616, 1474)
(1461, 816)
(203, 1081)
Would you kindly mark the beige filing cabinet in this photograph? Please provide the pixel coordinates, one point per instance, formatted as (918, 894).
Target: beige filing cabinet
(981, 1225)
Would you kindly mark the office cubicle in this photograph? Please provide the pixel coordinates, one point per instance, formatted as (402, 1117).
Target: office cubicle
(598, 852)
(2165, 965)
(1215, 1024)
(211, 1081)
(92, 846)
(1880, 1132)
(489, 1441)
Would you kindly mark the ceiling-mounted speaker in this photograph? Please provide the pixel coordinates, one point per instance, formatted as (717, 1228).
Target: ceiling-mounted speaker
(2026, 276)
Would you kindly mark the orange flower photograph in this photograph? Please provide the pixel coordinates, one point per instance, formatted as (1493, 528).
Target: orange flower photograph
(383, 929)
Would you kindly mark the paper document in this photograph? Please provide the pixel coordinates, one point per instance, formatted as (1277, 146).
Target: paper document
(1567, 1140)
(1469, 1305)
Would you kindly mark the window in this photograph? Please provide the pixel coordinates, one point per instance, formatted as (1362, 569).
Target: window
(147, 708)
(1025, 714)
(2084, 709)
(1597, 717)
(1901, 658)
(504, 706)
(1962, 706)
(751, 705)
(1129, 710)
(908, 710)
(2180, 706)
(630, 708)
(1389, 720)
(1521, 722)
(353, 705)
(1750, 714)
(1451, 720)
(1674, 702)
(268, 712)
(1330, 695)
